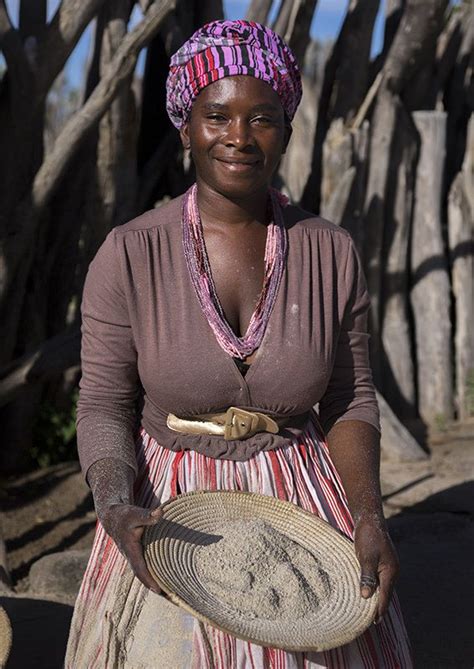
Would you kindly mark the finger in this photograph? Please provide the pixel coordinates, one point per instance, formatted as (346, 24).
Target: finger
(145, 517)
(138, 565)
(387, 581)
(157, 513)
(368, 576)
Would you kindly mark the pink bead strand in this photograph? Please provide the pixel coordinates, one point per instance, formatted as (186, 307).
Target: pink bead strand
(200, 271)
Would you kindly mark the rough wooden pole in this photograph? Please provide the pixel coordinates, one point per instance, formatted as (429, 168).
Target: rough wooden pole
(382, 129)
(430, 293)
(461, 252)
(296, 163)
(258, 10)
(337, 159)
(398, 375)
(116, 149)
(299, 37)
(344, 173)
(420, 24)
(344, 87)
(397, 444)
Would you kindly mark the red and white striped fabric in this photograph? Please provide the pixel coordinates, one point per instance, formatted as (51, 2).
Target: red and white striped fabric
(110, 600)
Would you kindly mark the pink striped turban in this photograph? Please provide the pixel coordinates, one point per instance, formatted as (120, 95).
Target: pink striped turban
(225, 48)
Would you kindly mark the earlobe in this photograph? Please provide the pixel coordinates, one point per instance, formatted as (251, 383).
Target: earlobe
(184, 134)
(287, 137)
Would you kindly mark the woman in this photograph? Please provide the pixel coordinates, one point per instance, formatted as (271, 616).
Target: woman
(174, 310)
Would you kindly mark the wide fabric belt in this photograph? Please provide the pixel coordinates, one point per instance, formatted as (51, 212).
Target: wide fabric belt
(234, 423)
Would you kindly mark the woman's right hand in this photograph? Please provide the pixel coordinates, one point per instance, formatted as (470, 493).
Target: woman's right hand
(125, 524)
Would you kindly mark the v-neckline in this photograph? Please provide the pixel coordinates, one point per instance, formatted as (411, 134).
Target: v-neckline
(199, 270)
(215, 295)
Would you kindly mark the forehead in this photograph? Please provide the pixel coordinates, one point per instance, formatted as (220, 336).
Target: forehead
(239, 90)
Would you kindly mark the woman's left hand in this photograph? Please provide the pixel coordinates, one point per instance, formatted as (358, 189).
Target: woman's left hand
(378, 561)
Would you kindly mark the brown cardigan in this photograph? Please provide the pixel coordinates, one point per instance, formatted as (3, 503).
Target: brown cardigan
(144, 332)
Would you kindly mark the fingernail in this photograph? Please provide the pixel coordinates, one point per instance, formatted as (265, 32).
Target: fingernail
(365, 591)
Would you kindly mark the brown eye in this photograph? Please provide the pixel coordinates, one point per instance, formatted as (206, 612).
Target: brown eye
(262, 120)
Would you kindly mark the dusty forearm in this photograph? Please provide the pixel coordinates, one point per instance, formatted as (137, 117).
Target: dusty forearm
(111, 481)
(355, 450)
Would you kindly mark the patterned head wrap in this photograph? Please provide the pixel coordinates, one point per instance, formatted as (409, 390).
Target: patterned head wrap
(225, 48)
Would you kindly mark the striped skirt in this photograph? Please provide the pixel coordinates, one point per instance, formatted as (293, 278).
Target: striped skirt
(117, 622)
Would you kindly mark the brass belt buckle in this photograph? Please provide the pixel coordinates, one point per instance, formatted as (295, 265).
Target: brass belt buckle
(240, 423)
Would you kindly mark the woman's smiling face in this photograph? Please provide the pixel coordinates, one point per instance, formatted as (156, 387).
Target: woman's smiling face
(237, 134)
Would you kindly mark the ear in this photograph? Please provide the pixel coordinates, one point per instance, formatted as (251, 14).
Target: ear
(287, 136)
(184, 134)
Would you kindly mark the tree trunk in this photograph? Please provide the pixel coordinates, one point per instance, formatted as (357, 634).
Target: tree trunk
(285, 19)
(159, 150)
(293, 23)
(387, 110)
(30, 308)
(344, 174)
(461, 254)
(299, 37)
(353, 218)
(53, 357)
(344, 87)
(74, 214)
(211, 10)
(418, 27)
(296, 163)
(459, 97)
(447, 49)
(337, 160)
(397, 444)
(116, 150)
(430, 293)
(32, 68)
(393, 15)
(258, 10)
(398, 375)
(19, 245)
(23, 288)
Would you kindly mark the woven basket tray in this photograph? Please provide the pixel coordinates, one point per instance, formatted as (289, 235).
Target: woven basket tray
(190, 521)
(5, 637)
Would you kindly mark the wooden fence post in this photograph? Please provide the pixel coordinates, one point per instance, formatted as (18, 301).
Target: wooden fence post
(461, 252)
(430, 292)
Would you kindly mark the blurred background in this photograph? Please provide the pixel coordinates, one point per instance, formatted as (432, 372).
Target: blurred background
(383, 145)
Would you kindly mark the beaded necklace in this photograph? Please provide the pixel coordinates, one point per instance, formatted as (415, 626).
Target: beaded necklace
(200, 271)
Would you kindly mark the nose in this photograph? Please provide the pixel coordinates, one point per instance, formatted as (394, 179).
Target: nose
(239, 135)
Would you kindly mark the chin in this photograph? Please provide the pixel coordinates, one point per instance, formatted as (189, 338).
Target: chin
(240, 188)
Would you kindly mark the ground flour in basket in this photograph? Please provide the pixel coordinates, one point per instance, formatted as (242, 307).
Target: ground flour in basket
(261, 573)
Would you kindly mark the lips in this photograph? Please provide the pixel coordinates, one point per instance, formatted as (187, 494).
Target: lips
(238, 165)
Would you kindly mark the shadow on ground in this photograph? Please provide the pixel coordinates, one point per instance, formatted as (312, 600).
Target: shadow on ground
(40, 631)
(35, 485)
(435, 542)
(434, 537)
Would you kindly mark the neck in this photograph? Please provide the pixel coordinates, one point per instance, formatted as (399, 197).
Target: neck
(217, 208)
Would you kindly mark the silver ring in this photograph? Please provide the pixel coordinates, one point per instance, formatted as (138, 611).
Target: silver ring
(368, 580)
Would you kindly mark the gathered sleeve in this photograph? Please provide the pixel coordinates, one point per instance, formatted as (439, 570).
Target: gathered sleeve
(350, 394)
(109, 387)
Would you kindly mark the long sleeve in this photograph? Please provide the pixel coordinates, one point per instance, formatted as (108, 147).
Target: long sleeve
(109, 385)
(350, 394)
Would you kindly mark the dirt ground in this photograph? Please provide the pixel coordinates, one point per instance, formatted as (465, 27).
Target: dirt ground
(430, 506)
